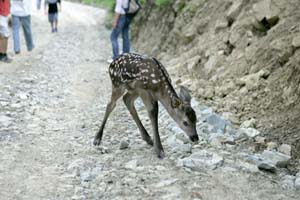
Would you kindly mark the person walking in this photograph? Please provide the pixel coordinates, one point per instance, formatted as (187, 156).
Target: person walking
(4, 31)
(53, 7)
(38, 4)
(121, 24)
(21, 15)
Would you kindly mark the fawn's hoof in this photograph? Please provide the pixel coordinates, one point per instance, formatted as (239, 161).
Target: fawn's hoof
(160, 154)
(150, 142)
(97, 142)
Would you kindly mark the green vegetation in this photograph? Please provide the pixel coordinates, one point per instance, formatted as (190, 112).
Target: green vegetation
(161, 3)
(181, 6)
(109, 4)
(101, 3)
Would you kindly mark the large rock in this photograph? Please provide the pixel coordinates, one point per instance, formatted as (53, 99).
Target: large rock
(271, 146)
(182, 148)
(124, 144)
(201, 160)
(166, 182)
(266, 10)
(192, 63)
(86, 176)
(234, 10)
(188, 34)
(221, 24)
(230, 117)
(276, 158)
(251, 81)
(288, 182)
(296, 41)
(210, 64)
(260, 140)
(297, 183)
(265, 166)
(249, 123)
(173, 141)
(285, 149)
(5, 120)
(216, 121)
(225, 88)
(131, 165)
(248, 167)
(250, 132)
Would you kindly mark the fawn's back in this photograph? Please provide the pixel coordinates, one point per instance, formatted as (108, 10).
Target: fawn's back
(137, 71)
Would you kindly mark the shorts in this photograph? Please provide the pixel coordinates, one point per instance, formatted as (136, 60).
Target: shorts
(52, 17)
(4, 30)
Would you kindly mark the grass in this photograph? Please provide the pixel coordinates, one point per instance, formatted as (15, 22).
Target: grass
(162, 3)
(109, 4)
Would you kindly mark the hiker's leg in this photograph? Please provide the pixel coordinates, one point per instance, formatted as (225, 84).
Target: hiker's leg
(55, 21)
(16, 34)
(125, 36)
(50, 19)
(26, 24)
(38, 4)
(114, 36)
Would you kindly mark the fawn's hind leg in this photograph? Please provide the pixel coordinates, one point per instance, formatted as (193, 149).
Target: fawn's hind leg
(116, 94)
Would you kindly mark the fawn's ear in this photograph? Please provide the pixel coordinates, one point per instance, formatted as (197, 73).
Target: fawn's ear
(184, 95)
(175, 102)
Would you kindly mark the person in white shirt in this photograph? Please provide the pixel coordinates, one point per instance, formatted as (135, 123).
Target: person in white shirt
(121, 24)
(21, 15)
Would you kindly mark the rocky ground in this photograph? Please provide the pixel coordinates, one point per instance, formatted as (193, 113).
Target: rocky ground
(52, 102)
(237, 56)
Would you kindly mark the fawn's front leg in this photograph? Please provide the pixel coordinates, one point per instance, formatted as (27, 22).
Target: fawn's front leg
(152, 107)
(129, 102)
(153, 114)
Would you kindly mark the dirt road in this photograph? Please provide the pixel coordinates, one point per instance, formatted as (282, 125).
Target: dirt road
(52, 103)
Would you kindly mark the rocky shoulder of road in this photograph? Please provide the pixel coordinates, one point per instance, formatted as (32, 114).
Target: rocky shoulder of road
(52, 103)
(240, 57)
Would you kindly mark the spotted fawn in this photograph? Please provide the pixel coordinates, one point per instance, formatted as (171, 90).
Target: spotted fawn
(134, 76)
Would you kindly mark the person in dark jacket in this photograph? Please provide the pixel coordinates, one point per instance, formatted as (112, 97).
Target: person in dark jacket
(53, 7)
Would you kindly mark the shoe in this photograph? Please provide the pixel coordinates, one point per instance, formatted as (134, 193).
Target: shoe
(109, 61)
(53, 30)
(29, 50)
(17, 52)
(5, 59)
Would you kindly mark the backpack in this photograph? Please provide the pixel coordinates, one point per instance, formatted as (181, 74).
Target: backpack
(133, 7)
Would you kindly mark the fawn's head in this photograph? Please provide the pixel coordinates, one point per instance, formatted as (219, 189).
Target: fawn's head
(184, 114)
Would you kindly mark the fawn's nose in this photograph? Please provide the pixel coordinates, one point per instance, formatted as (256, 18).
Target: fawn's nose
(194, 138)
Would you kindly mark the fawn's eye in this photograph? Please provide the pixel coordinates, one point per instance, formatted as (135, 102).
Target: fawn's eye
(185, 123)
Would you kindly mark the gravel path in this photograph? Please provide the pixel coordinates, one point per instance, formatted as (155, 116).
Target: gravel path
(52, 103)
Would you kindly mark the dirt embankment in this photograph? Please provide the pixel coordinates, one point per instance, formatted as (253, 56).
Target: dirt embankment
(241, 57)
